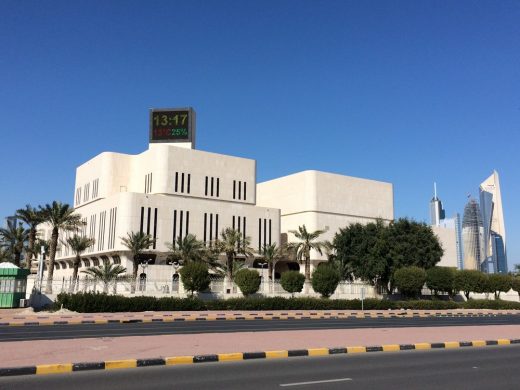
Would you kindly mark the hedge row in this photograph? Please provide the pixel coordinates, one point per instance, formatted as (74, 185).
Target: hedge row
(97, 302)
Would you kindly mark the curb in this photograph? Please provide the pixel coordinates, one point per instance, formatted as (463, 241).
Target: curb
(261, 316)
(62, 368)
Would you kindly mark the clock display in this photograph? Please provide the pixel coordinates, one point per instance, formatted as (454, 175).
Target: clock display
(170, 125)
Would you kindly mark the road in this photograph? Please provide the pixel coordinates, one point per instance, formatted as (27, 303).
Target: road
(53, 332)
(465, 368)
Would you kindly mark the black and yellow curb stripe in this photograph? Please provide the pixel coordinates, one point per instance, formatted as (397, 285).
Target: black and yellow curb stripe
(262, 316)
(45, 369)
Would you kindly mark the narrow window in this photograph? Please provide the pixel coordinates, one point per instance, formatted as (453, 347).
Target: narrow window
(182, 183)
(245, 189)
(174, 227)
(142, 220)
(210, 228)
(233, 225)
(239, 190)
(212, 186)
(244, 228)
(206, 187)
(218, 185)
(145, 184)
(216, 227)
(238, 224)
(180, 225)
(269, 232)
(234, 188)
(176, 181)
(205, 225)
(189, 180)
(148, 220)
(154, 227)
(187, 222)
(259, 234)
(265, 232)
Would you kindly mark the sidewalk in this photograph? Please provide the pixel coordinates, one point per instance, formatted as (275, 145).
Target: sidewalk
(24, 317)
(27, 353)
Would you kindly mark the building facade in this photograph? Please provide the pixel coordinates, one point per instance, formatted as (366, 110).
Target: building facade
(473, 236)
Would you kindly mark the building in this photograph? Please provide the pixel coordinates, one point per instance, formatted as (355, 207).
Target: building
(493, 225)
(321, 200)
(473, 236)
(437, 213)
(172, 189)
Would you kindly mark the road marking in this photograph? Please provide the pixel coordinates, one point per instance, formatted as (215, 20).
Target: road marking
(315, 382)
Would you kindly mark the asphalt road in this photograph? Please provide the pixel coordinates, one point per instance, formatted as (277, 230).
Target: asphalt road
(465, 368)
(53, 332)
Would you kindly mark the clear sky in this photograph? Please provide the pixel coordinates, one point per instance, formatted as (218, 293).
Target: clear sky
(408, 92)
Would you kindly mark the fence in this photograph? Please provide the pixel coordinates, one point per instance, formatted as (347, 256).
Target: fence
(219, 288)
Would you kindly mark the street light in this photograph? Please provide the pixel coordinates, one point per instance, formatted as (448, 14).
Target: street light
(263, 277)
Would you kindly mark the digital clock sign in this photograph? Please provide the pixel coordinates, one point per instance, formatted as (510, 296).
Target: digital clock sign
(172, 125)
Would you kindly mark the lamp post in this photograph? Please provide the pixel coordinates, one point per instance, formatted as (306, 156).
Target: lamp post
(144, 265)
(263, 276)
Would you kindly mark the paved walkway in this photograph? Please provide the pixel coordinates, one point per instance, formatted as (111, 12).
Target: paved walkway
(24, 317)
(23, 353)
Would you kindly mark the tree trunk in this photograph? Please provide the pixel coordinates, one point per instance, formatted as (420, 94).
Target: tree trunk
(230, 267)
(269, 271)
(134, 274)
(307, 267)
(17, 257)
(30, 247)
(77, 260)
(466, 294)
(52, 256)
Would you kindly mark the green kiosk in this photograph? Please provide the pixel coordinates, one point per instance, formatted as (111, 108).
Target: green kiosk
(13, 283)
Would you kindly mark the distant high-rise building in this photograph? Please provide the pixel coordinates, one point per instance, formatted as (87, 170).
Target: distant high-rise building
(437, 213)
(459, 246)
(494, 242)
(472, 236)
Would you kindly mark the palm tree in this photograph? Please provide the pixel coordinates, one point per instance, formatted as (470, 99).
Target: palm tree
(187, 249)
(232, 244)
(4, 254)
(61, 217)
(14, 239)
(272, 254)
(106, 273)
(304, 246)
(78, 244)
(32, 218)
(137, 243)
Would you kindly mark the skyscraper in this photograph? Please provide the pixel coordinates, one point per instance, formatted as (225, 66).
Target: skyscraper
(494, 243)
(437, 213)
(472, 236)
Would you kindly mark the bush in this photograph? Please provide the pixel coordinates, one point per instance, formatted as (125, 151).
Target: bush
(195, 277)
(248, 281)
(410, 280)
(499, 283)
(468, 281)
(440, 279)
(325, 280)
(98, 302)
(292, 281)
(515, 284)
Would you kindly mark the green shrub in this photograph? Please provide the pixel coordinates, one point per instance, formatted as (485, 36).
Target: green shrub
(469, 281)
(248, 281)
(515, 284)
(325, 280)
(97, 303)
(195, 277)
(292, 281)
(499, 283)
(410, 280)
(440, 279)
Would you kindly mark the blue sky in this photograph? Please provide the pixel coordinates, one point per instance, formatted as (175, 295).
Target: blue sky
(409, 92)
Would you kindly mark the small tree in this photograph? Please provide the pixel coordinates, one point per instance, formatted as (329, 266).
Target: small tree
(248, 281)
(106, 273)
(499, 283)
(410, 280)
(467, 281)
(292, 281)
(195, 277)
(325, 279)
(440, 279)
(515, 284)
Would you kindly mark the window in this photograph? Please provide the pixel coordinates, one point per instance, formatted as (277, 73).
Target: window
(189, 180)
(234, 188)
(182, 183)
(148, 183)
(154, 227)
(206, 187)
(176, 181)
(218, 185)
(245, 188)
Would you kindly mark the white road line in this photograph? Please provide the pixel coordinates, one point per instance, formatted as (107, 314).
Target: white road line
(315, 382)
